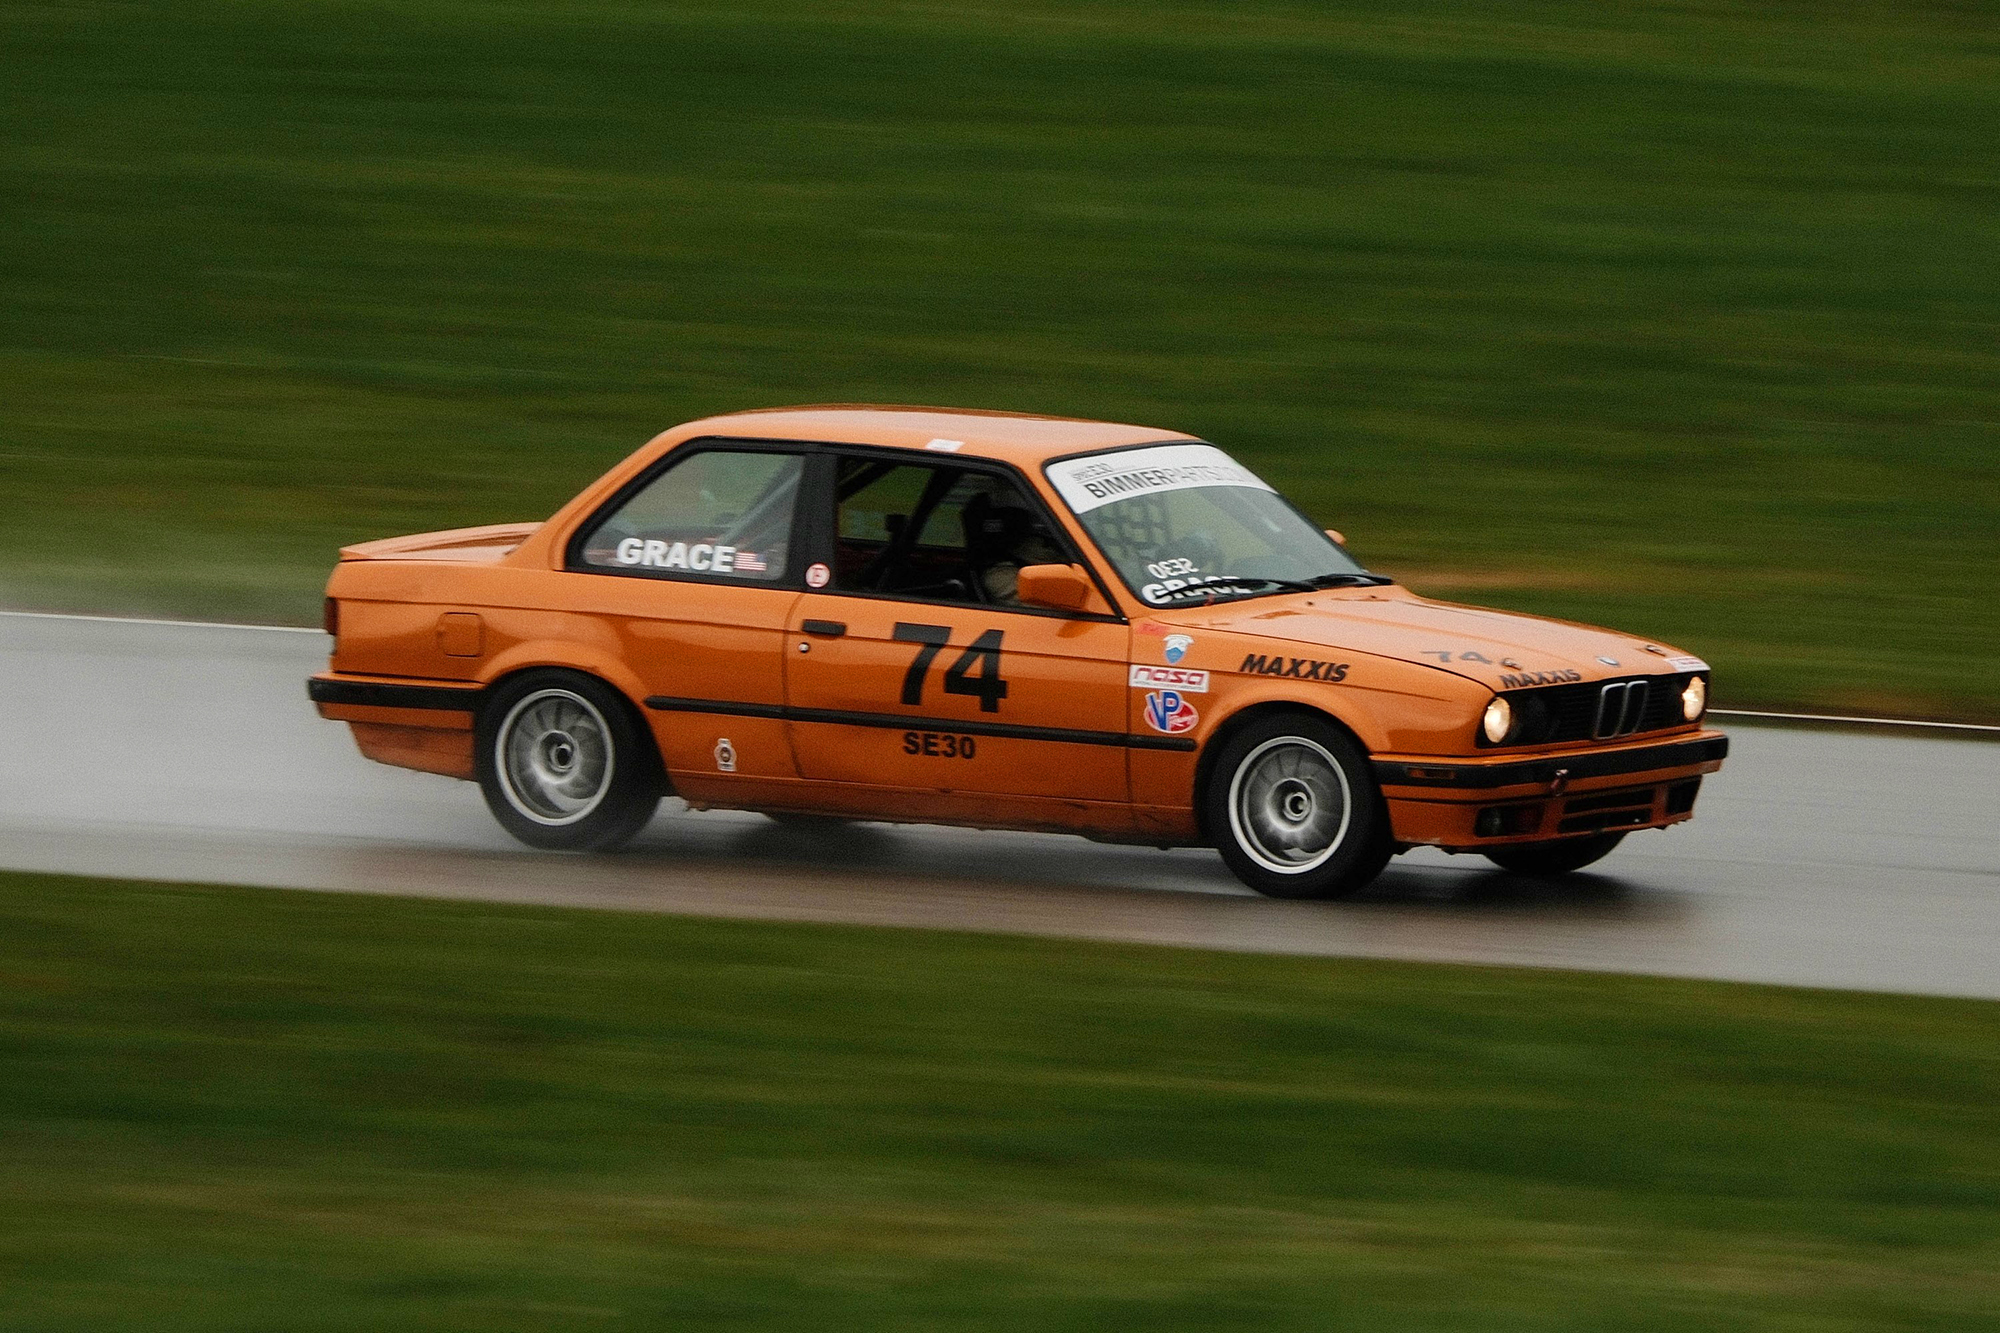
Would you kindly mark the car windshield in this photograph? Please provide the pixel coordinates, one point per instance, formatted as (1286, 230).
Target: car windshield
(1186, 522)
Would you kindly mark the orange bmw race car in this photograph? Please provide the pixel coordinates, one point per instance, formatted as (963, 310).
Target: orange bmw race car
(1000, 621)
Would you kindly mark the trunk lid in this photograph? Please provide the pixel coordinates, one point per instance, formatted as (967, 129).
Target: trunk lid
(487, 544)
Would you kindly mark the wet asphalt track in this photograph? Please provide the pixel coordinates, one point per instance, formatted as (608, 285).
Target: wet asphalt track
(181, 752)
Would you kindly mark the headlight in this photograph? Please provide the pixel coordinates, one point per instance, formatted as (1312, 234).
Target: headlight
(1499, 720)
(1694, 699)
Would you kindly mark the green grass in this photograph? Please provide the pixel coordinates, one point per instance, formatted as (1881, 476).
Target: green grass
(228, 1109)
(1680, 317)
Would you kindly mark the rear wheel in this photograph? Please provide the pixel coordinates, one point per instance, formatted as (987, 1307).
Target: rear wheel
(563, 763)
(1554, 858)
(1294, 809)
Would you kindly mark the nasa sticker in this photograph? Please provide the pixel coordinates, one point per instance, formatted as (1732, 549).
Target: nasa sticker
(725, 756)
(1167, 711)
(818, 575)
(1176, 647)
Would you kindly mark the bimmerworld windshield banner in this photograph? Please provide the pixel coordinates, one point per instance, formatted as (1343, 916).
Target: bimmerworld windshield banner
(1090, 483)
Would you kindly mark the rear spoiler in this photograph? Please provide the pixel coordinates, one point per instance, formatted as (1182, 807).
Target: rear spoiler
(482, 543)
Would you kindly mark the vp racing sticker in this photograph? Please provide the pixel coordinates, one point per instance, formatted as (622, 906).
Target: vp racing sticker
(1166, 711)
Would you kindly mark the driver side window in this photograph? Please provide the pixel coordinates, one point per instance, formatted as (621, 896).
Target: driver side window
(939, 533)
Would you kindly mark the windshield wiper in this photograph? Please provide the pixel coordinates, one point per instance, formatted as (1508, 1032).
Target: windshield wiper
(1239, 581)
(1314, 584)
(1349, 580)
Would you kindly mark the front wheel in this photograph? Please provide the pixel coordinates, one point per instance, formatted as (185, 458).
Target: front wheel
(563, 763)
(1294, 809)
(1557, 857)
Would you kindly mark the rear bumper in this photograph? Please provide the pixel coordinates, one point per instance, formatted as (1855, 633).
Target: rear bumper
(421, 726)
(335, 694)
(1468, 804)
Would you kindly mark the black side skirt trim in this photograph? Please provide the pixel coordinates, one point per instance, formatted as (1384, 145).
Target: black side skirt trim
(894, 722)
(1396, 773)
(669, 704)
(376, 694)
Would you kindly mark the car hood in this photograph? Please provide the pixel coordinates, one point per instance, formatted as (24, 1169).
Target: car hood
(1500, 649)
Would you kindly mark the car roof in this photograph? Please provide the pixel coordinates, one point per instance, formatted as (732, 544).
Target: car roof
(1020, 438)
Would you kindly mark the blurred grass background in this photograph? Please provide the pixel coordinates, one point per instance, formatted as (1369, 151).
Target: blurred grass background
(236, 1109)
(1675, 316)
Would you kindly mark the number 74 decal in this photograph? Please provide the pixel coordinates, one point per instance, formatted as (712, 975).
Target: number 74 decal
(976, 672)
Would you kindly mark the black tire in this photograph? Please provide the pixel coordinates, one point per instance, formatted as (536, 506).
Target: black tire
(1554, 858)
(565, 763)
(1292, 805)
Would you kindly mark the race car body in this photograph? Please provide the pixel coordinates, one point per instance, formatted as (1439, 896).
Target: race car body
(999, 621)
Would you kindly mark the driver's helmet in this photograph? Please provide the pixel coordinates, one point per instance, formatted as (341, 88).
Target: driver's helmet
(998, 530)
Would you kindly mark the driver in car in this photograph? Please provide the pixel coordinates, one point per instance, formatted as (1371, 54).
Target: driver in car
(1007, 539)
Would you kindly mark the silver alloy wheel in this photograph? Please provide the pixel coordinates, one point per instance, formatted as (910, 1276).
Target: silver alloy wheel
(553, 755)
(1289, 805)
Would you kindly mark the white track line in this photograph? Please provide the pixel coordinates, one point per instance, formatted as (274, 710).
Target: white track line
(1865, 721)
(304, 629)
(183, 624)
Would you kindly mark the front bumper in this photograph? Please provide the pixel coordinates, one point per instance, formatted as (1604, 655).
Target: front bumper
(1470, 804)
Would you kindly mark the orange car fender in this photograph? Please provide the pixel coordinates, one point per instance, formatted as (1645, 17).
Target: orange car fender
(592, 654)
(593, 659)
(1391, 706)
(1172, 780)
(1250, 696)
(1382, 702)
(1358, 701)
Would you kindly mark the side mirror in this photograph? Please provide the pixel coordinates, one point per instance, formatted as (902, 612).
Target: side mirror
(1339, 537)
(1063, 587)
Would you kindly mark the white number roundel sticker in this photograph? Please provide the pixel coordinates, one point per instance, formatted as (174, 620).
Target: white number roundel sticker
(818, 576)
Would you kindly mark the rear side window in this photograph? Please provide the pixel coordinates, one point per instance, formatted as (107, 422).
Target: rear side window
(719, 513)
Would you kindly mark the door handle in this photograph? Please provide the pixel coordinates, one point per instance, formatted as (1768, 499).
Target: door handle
(828, 629)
